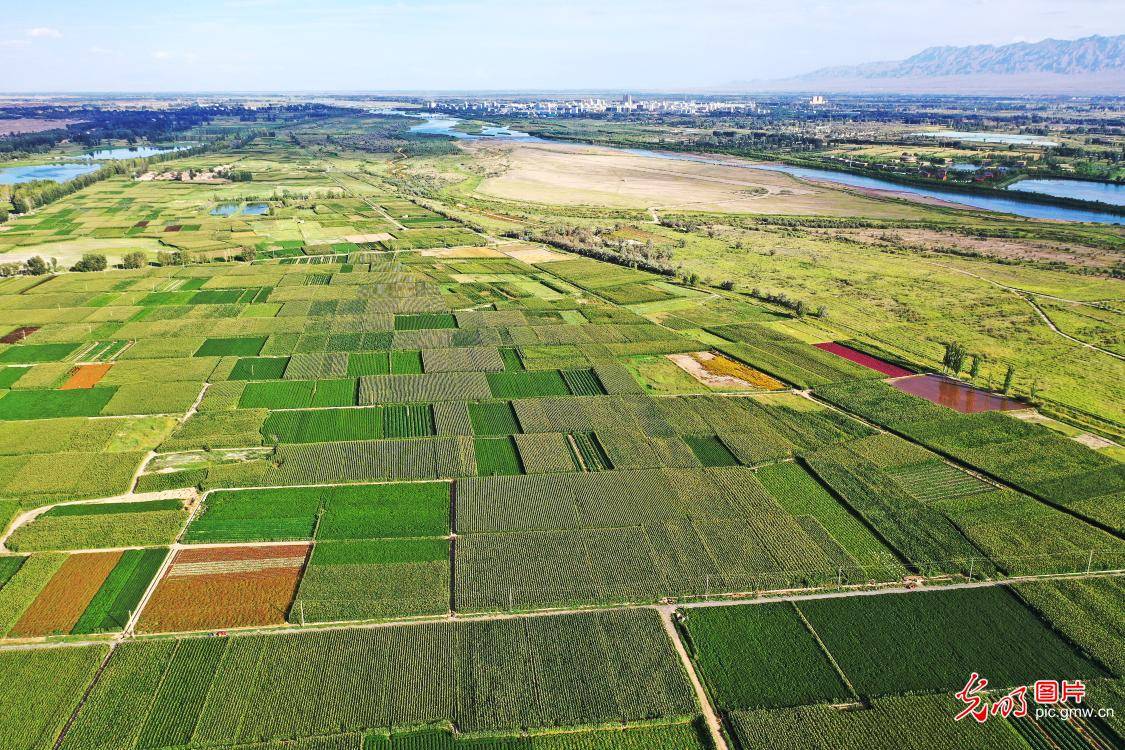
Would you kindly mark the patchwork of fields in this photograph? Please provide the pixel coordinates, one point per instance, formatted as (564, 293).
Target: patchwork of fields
(425, 488)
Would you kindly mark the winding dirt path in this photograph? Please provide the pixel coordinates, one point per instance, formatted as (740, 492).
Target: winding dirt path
(1029, 298)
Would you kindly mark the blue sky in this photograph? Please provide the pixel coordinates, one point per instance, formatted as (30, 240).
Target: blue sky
(128, 45)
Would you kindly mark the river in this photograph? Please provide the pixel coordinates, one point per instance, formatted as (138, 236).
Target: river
(445, 124)
(1087, 190)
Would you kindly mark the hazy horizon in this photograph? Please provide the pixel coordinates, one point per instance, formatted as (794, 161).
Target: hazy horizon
(494, 45)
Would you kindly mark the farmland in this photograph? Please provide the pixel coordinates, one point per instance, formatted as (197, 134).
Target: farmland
(432, 470)
(821, 656)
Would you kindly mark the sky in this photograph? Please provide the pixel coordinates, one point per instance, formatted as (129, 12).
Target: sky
(448, 45)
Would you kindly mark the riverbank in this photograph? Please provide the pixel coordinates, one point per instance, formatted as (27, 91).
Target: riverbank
(1017, 202)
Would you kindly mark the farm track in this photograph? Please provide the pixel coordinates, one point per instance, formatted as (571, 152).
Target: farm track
(374, 206)
(995, 481)
(732, 600)
(188, 493)
(714, 724)
(332, 176)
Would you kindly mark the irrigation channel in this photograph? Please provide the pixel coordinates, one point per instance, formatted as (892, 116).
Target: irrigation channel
(439, 124)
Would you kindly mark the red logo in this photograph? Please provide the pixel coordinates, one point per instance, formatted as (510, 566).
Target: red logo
(1014, 703)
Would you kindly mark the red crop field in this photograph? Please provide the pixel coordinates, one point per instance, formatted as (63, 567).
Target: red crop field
(230, 554)
(224, 587)
(63, 600)
(872, 363)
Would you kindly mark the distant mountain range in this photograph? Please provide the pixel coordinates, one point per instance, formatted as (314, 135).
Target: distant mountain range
(1092, 65)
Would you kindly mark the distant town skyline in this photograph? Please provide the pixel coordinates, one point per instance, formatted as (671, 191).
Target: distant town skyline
(259, 45)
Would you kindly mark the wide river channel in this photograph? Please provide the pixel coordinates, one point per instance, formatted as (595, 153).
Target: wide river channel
(436, 124)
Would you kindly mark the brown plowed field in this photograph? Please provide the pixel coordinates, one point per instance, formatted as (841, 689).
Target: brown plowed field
(85, 376)
(18, 335)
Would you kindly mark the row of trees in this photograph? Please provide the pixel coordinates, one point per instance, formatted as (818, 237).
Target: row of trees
(596, 243)
(957, 358)
(36, 265)
(30, 195)
(797, 306)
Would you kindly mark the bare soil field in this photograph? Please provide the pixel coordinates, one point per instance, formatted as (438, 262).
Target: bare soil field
(69, 252)
(85, 376)
(32, 125)
(722, 373)
(581, 175)
(532, 253)
(361, 238)
(461, 252)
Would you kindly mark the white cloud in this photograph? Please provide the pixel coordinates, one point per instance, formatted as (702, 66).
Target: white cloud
(95, 50)
(162, 54)
(14, 43)
(44, 32)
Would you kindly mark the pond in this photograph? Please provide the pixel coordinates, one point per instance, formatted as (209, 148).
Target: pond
(1106, 192)
(53, 172)
(955, 394)
(250, 209)
(131, 152)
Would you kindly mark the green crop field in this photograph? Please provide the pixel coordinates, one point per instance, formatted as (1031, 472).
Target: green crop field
(760, 657)
(119, 596)
(220, 703)
(888, 724)
(367, 579)
(102, 525)
(959, 632)
(292, 513)
(51, 680)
